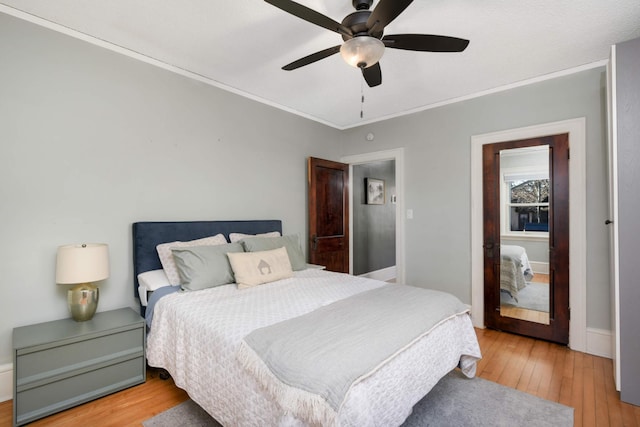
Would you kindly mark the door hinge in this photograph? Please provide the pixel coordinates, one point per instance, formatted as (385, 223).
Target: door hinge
(568, 154)
(569, 311)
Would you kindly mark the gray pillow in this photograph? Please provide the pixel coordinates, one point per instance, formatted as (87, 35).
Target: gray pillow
(290, 242)
(201, 267)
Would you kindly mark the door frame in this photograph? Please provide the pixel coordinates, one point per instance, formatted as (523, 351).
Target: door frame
(576, 128)
(397, 155)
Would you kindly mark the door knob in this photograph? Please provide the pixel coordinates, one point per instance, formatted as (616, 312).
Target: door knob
(488, 247)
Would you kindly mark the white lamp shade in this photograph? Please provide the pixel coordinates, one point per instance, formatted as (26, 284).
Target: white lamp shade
(82, 263)
(362, 51)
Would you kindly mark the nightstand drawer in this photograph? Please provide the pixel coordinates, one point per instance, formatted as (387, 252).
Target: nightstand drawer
(35, 402)
(53, 360)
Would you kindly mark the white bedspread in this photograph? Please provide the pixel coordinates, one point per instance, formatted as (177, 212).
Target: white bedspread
(515, 269)
(196, 335)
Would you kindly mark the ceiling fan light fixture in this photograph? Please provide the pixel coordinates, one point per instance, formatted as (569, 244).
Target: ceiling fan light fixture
(362, 51)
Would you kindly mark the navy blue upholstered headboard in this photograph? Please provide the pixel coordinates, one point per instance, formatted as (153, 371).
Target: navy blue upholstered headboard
(147, 235)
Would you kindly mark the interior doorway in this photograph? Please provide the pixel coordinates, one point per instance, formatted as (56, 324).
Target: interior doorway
(374, 219)
(397, 156)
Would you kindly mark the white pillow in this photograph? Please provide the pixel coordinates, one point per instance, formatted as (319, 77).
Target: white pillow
(255, 268)
(149, 281)
(152, 280)
(166, 257)
(234, 237)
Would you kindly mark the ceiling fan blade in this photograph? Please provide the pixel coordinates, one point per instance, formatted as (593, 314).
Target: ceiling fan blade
(425, 42)
(385, 12)
(373, 75)
(309, 59)
(310, 15)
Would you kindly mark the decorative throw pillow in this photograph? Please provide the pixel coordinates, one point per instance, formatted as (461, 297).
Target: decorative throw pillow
(255, 244)
(166, 257)
(201, 267)
(236, 237)
(255, 268)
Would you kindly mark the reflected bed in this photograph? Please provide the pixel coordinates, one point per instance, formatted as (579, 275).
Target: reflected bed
(515, 269)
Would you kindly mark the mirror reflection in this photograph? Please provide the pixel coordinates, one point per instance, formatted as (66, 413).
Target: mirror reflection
(524, 233)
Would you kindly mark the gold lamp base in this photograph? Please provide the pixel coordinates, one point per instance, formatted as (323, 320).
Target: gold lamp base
(83, 301)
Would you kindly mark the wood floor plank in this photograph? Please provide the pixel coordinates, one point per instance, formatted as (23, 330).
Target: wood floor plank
(546, 372)
(555, 382)
(602, 407)
(577, 397)
(491, 358)
(566, 389)
(500, 358)
(527, 373)
(513, 370)
(539, 352)
(589, 395)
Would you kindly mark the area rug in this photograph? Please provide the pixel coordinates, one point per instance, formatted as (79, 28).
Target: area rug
(455, 401)
(534, 296)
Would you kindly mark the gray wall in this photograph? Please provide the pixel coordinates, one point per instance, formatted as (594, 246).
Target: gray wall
(92, 141)
(374, 226)
(437, 145)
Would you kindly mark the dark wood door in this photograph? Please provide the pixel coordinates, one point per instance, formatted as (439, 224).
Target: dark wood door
(329, 214)
(557, 329)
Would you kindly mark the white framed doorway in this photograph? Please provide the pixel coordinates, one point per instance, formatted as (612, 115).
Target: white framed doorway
(577, 220)
(398, 156)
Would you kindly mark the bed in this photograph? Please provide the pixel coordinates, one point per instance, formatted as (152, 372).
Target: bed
(515, 269)
(209, 340)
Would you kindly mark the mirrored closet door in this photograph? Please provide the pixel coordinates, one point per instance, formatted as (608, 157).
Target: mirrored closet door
(526, 237)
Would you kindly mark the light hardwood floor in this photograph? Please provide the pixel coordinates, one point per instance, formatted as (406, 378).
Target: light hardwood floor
(547, 370)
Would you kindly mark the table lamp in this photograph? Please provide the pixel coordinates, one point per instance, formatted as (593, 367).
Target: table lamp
(80, 265)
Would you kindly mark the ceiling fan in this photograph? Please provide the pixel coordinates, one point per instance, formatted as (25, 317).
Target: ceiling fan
(362, 32)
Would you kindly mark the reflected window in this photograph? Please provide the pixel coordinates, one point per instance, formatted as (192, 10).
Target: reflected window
(528, 204)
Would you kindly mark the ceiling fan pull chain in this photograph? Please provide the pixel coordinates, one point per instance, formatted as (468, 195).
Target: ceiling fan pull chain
(361, 99)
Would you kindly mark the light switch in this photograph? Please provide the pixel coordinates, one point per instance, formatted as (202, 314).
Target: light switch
(409, 213)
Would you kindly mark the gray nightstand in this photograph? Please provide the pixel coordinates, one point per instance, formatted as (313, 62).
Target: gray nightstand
(64, 363)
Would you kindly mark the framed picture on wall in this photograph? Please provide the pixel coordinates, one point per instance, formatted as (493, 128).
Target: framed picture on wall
(375, 191)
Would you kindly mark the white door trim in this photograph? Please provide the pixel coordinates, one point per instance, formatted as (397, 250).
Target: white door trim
(614, 261)
(577, 220)
(397, 155)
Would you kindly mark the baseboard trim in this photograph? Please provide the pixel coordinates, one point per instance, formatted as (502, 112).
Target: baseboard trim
(383, 274)
(539, 267)
(6, 382)
(599, 342)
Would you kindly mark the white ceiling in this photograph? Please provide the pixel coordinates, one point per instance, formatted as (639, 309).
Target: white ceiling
(241, 45)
